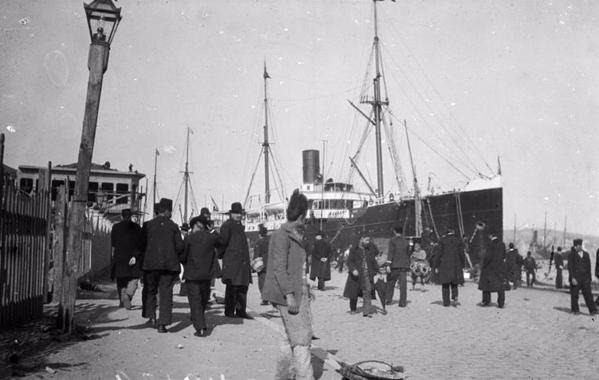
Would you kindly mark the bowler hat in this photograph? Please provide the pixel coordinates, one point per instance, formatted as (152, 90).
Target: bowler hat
(236, 208)
(166, 204)
(577, 242)
(126, 212)
(199, 219)
(204, 211)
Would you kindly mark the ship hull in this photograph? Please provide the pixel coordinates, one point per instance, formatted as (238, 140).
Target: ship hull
(438, 214)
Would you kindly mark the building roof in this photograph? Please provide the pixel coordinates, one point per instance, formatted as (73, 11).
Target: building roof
(96, 169)
(8, 171)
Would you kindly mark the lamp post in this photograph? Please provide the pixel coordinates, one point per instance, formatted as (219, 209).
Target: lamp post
(103, 18)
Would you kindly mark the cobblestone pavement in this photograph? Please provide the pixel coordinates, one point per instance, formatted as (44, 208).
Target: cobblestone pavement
(533, 337)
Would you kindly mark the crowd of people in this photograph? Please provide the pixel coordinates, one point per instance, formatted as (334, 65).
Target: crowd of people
(284, 261)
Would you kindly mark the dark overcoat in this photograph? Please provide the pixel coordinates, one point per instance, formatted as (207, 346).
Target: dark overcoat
(286, 265)
(399, 253)
(579, 267)
(493, 276)
(450, 260)
(356, 285)
(322, 270)
(126, 239)
(162, 244)
(199, 255)
(235, 254)
(513, 264)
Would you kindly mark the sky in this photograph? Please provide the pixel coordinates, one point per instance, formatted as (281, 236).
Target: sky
(473, 79)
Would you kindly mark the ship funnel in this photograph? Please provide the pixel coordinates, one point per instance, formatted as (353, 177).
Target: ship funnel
(311, 165)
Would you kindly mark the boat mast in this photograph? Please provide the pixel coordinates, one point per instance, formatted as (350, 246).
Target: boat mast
(564, 237)
(156, 154)
(265, 144)
(186, 178)
(377, 108)
(417, 204)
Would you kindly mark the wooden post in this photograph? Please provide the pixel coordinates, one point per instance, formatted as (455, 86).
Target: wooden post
(59, 235)
(47, 193)
(97, 63)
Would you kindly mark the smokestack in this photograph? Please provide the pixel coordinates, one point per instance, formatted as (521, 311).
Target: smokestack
(311, 165)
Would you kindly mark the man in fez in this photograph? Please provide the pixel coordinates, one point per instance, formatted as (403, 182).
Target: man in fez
(236, 271)
(579, 269)
(125, 239)
(163, 245)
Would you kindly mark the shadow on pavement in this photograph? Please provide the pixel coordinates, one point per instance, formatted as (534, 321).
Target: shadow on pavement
(562, 309)
(24, 350)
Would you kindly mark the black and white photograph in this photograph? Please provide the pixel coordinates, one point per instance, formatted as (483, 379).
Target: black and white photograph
(299, 189)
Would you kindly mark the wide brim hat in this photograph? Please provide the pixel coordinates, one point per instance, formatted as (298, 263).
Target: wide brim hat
(236, 208)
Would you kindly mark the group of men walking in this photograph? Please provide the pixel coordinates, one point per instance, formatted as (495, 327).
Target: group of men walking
(157, 250)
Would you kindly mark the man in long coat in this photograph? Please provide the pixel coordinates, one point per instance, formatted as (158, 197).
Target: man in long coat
(322, 254)
(493, 276)
(236, 271)
(558, 259)
(198, 259)
(399, 256)
(450, 264)
(163, 245)
(362, 267)
(126, 241)
(513, 264)
(579, 269)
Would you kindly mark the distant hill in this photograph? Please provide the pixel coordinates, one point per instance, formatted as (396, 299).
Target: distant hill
(525, 237)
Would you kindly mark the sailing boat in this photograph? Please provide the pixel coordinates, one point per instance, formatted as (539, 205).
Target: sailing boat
(343, 213)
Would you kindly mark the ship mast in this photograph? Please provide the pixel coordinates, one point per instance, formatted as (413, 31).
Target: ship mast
(265, 144)
(417, 202)
(186, 178)
(377, 107)
(156, 154)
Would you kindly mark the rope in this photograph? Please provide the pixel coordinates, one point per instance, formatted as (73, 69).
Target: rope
(430, 210)
(458, 205)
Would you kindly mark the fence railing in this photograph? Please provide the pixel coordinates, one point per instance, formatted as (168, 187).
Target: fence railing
(23, 254)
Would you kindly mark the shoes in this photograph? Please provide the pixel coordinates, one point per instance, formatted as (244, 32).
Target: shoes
(384, 312)
(484, 304)
(162, 329)
(244, 316)
(367, 315)
(201, 333)
(402, 305)
(230, 315)
(456, 303)
(594, 312)
(264, 303)
(575, 312)
(151, 322)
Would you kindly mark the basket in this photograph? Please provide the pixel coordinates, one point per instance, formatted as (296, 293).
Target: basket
(371, 370)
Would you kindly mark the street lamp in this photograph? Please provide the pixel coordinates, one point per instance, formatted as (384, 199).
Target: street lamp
(103, 18)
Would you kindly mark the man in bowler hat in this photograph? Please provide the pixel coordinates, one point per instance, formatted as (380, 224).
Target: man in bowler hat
(125, 239)
(163, 245)
(236, 271)
(579, 269)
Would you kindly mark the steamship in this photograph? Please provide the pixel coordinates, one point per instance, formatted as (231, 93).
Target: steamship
(343, 213)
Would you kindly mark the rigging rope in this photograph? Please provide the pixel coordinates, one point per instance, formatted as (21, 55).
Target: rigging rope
(465, 157)
(451, 115)
(434, 150)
